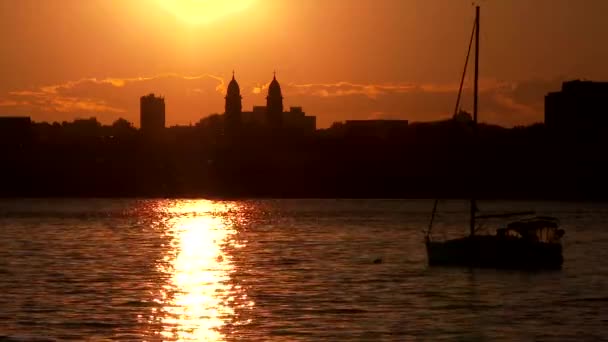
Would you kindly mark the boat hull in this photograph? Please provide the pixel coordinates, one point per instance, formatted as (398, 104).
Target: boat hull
(495, 252)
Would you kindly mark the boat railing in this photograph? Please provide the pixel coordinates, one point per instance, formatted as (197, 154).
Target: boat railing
(505, 215)
(535, 233)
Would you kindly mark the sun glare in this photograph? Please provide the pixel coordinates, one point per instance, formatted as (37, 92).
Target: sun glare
(198, 12)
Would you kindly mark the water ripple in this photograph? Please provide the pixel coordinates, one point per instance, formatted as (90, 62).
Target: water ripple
(304, 270)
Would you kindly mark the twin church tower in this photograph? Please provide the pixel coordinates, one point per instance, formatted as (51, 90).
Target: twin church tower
(272, 116)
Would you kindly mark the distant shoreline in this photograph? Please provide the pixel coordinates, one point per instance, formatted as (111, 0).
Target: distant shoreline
(252, 198)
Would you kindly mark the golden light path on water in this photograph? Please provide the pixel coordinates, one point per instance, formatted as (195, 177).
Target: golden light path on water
(199, 298)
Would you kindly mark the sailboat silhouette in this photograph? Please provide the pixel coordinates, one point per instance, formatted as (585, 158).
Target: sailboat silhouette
(529, 243)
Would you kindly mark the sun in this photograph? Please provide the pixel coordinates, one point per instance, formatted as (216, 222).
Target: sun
(197, 12)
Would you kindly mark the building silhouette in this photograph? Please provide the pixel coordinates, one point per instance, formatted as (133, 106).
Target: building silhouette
(274, 104)
(15, 129)
(579, 110)
(152, 114)
(271, 117)
(234, 106)
(297, 120)
(84, 127)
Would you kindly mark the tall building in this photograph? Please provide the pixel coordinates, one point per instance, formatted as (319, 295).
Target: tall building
(233, 109)
(274, 104)
(580, 109)
(152, 114)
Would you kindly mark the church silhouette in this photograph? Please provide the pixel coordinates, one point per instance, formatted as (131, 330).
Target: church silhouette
(271, 117)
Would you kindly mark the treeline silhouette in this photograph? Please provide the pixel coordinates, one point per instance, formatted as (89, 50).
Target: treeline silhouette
(426, 160)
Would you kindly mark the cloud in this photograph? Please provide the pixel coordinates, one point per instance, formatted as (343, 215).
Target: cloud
(259, 88)
(341, 89)
(507, 103)
(8, 103)
(52, 99)
(109, 98)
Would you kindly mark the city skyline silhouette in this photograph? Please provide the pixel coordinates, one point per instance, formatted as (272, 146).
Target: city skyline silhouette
(227, 156)
(363, 119)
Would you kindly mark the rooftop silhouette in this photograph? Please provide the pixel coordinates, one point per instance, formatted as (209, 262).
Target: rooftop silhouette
(579, 111)
(271, 119)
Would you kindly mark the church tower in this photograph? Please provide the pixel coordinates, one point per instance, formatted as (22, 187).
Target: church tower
(234, 105)
(274, 104)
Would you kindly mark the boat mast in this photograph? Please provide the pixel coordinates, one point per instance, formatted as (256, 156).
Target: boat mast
(475, 95)
(464, 72)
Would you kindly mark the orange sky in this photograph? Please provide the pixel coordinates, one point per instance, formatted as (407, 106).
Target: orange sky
(339, 59)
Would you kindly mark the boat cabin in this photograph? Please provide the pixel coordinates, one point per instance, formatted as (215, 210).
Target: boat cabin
(537, 229)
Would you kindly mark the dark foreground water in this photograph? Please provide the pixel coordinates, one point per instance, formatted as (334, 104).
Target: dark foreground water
(295, 270)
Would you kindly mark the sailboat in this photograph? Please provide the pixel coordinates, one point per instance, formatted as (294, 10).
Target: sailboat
(531, 242)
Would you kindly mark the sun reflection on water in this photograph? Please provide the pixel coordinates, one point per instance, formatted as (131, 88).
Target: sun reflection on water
(199, 299)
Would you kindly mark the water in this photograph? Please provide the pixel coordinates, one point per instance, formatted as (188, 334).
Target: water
(295, 270)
